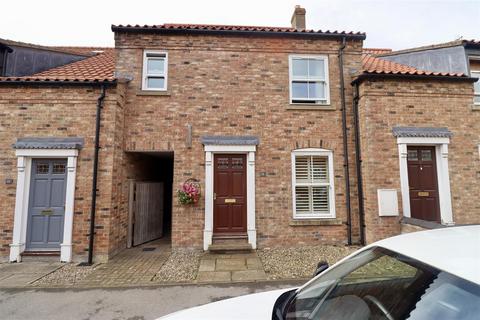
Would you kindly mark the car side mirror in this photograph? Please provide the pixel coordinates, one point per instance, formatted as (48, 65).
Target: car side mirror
(321, 266)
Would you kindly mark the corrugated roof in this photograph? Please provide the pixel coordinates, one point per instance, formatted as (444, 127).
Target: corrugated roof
(98, 68)
(232, 28)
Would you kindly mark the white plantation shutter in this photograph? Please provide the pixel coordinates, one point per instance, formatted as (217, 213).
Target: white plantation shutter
(312, 185)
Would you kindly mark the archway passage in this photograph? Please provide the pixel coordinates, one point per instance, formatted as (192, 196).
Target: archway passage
(150, 176)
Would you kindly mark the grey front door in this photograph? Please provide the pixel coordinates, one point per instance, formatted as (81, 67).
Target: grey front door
(46, 207)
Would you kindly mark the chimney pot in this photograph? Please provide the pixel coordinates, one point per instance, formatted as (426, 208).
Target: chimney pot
(298, 18)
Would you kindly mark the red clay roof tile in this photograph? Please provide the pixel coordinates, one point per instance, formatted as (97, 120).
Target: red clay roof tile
(233, 28)
(98, 68)
(371, 64)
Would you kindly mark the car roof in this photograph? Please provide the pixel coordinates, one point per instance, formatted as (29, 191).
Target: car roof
(455, 250)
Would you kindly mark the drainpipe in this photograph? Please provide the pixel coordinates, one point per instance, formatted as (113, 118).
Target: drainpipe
(358, 163)
(95, 174)
(345, 142)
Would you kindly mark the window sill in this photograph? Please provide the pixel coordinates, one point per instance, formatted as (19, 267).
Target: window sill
(476, 107)
(153, 93)
(315, 222)
(304, 106)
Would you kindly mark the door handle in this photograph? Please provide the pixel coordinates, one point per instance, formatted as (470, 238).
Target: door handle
(214, 196)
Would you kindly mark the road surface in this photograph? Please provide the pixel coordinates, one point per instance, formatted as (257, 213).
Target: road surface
(117, 303)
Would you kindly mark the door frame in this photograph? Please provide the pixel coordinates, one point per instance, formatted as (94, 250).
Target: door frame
(210, 150)
(443, 177)
(24, 169)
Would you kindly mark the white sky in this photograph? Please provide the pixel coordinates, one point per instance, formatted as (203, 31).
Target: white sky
(393, 24)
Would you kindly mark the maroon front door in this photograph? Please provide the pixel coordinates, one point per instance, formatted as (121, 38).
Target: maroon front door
(422, 179)
(230, 194)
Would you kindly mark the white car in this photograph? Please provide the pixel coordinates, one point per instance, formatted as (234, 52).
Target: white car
(424, 275)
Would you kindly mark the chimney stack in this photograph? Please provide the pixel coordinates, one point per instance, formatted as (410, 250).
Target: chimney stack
(298, 18)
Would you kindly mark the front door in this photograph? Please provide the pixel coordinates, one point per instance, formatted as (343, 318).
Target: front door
(422, 179)
(46, 207)
(230, 194)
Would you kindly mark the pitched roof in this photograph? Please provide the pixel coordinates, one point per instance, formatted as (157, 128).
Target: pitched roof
(97, 68)
(172, 27)
(372, 63)
(81, 51)
(454, 43)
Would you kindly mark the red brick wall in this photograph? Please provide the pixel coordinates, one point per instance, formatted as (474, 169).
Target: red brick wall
(385, 104)
(237, 86)
(63, 111)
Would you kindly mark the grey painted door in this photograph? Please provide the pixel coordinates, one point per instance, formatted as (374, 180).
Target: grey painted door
(46, 206)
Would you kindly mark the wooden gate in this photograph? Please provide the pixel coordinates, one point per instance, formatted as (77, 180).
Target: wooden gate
(145, 212)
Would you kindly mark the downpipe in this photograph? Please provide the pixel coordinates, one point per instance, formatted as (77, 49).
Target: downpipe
(358, 163)
(345, 142)
(95, 175)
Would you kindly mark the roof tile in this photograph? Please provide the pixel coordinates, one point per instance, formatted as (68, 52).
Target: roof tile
(372, 64)
(210, 27)
(98, 68)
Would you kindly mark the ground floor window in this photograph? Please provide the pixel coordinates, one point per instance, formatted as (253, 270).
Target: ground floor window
(312, 184)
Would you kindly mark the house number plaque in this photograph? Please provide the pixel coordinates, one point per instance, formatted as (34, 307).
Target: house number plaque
(230, 200)
(423, 194)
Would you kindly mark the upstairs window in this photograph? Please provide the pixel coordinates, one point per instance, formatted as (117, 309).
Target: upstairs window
(313, 192)
(155, 65)
(309, 80)
(476, 85)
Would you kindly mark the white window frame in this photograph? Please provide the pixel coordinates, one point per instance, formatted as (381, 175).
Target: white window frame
(145, 75)
(324, 58)
(475, 93)
(331, 191)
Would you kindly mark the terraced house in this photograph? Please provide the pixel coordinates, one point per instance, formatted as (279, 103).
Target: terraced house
(292, 136)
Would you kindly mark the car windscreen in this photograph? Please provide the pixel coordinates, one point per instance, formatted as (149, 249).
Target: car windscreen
(381, 284)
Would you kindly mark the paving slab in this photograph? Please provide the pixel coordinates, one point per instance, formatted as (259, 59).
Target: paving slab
(254, 263)
(207, 265)
(230, 264)
(249, 275)
(214, 276)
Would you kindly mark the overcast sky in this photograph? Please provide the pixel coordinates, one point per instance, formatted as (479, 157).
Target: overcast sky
(396, 24)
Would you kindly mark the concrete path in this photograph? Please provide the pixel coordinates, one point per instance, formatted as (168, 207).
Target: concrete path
(130, 303)
(25, 273)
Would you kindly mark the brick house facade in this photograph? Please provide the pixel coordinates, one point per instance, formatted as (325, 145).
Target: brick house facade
(220, 105)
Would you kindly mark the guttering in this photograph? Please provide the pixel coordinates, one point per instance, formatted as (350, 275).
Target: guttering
(358, 164)
(367, 76)
(95, 174)
(345, 142)
(240, 33)
(58, 82)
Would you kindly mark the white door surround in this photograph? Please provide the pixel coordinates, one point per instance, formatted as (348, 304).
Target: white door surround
(443, 177)
(24, 167)
(210, 150)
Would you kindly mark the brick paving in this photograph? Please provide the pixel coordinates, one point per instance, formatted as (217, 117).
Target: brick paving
(149, 264)
(238, 267)
(135, 266)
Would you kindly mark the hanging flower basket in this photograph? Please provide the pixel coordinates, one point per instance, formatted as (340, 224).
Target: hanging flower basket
(189, 192)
